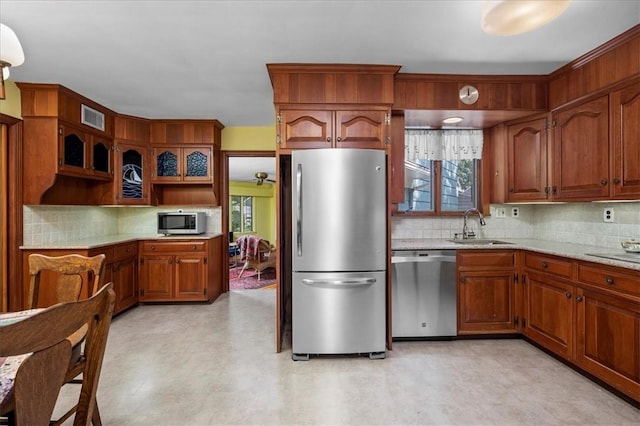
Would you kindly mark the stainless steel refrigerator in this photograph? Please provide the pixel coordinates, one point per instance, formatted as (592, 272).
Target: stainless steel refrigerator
(339, 254)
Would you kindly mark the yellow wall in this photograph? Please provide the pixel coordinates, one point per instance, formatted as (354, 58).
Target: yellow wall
(11, 105)
(258, 138)
(264, 207)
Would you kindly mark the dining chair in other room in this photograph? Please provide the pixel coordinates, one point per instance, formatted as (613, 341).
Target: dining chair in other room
(73, 272)
(44, 336)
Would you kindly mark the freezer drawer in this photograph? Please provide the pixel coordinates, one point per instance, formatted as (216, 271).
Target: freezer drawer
(339, 313)
(424, 293)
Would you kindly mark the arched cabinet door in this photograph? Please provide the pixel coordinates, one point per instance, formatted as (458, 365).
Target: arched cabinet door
(83, 154)
(132, 174)
(312, 129)
(181, 164)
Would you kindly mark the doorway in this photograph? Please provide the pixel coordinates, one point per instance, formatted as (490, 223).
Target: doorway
(249, 219)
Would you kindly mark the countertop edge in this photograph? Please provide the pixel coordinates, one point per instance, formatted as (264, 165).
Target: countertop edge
(568, 250)
(97, 242)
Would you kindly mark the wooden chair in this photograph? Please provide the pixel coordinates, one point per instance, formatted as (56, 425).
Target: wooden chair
(73, 273)
(41, 375)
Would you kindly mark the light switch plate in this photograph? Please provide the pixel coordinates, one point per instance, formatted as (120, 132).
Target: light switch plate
(608, 215)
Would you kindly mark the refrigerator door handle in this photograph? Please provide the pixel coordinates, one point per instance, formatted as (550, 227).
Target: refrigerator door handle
(350, 283)
(299, 209)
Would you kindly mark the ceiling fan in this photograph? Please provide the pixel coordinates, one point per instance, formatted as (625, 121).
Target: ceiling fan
(261, 177)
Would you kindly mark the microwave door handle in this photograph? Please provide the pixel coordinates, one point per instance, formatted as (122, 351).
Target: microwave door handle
(299, 210)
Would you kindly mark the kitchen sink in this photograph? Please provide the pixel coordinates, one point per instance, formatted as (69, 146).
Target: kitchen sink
(479, 241)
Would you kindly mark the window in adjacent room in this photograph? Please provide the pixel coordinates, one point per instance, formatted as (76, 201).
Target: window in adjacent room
(241, 214)
(441, 170)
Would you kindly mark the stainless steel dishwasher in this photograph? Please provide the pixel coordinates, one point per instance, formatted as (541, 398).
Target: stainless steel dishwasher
(424, 293)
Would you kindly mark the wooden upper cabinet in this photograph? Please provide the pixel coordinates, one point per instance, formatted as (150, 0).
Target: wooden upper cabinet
(332, 84)
(581, 151)
(527, 161)
(182, 164)
(303, 129)
(186, 132)
(625, 142)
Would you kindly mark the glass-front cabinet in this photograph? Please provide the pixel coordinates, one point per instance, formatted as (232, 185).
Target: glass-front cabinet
(133, 174)
(182, 164)
(84, 154)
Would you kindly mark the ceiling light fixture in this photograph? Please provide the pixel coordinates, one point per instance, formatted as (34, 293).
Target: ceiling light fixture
(11, 54)
(452, 120)
(511, 17)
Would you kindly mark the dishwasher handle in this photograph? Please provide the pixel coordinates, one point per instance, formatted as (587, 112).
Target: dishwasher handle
(422, 259)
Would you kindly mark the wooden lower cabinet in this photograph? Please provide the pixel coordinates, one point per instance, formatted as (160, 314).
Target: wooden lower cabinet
(588, 314)
(485, 291)
(549, 313)
(608, 343)
(180, 270)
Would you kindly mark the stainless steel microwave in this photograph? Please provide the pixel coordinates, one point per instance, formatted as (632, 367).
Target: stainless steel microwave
(182, 223)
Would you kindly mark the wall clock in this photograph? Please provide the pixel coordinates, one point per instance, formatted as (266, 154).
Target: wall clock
(469, 95)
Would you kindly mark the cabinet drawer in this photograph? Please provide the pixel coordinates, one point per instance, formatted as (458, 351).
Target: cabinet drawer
(123, 251)
(106, 250)
(173, 247)
(486, 258)
(549, 264)
(628, 283)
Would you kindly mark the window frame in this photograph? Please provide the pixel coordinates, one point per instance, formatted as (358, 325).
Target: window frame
(242, 229)
(437, 193)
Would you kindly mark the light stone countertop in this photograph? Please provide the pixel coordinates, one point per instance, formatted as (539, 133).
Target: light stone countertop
(90, 243)
(573, 251)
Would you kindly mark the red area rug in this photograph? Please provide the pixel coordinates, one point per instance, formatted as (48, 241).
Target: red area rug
(249, 280)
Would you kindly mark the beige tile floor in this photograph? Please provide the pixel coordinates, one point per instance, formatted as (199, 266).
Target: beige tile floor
(215, 364)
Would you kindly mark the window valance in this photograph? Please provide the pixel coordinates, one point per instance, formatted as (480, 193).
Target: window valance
(445, 144)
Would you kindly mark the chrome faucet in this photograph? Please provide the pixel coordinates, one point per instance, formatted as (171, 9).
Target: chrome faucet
(470, 234)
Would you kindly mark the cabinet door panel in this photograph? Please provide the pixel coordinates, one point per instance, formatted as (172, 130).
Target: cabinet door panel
(305, 129)
(132, 176)
(157, 277)
(527, 150)
(581, 151)
(360, 129)
(609, 340)
(197, 164)
(625, 120)
(190, 277)
(549, 313)
(167, 164)
(485, 301)
(125, 281)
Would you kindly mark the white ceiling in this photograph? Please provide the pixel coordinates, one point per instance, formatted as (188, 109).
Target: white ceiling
(243, 169)
(206, 59)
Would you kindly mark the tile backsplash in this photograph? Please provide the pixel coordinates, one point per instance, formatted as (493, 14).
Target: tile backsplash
(580, 223)
(58, 224)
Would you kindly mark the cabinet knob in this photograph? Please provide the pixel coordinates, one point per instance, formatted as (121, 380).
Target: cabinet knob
(153, 248)
(568, 295)
(510, 189)
(339, 139)
(463, 280)
(616, 180)
(609, 280)
(578, 298)
(193, 247)
(545, 265)
(603, 182)
(329, 139)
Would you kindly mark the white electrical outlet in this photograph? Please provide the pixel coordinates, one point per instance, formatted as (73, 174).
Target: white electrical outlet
(500, 212)
(515, 211)
(608, 215)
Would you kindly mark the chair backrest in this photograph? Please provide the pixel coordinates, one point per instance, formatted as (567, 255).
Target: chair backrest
(45, 335)
(72, 270)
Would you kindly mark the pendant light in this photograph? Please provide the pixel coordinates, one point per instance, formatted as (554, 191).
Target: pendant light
(11, 54)
(511, 17)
